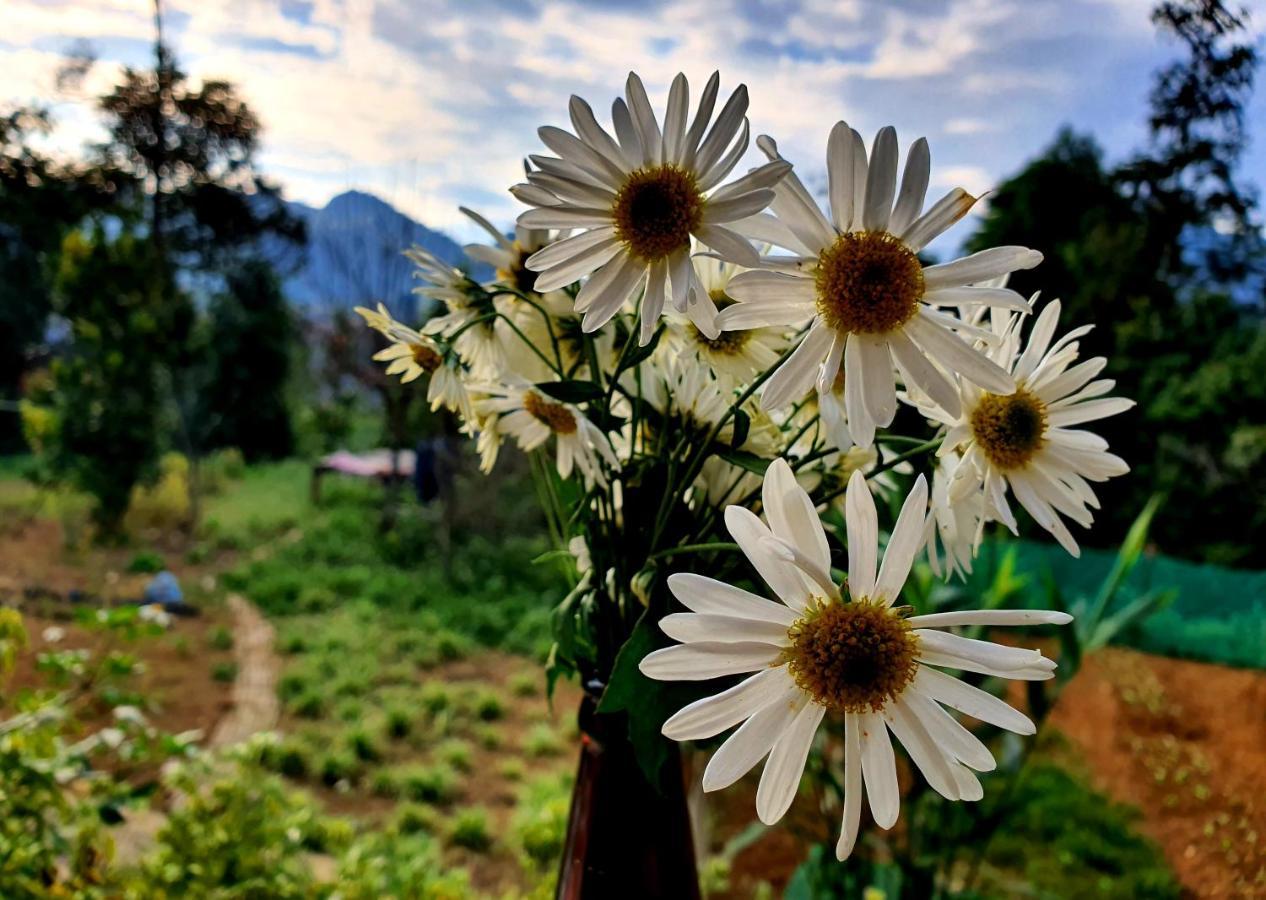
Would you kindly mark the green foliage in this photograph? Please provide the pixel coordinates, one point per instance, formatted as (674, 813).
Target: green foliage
(251, 335)
(106, 400)
(146, 562)
(40, 202)
(403, 864)
(234, 835)
(539, 825)
(469, 829)
(1090, 845)
(492, 593)
(1174, 299)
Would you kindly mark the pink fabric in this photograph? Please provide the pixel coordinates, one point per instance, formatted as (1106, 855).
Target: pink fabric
(374, 464)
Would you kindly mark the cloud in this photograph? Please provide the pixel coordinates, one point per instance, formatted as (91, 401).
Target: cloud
(432, 103)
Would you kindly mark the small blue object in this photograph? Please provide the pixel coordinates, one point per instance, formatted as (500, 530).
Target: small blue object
(164, 589)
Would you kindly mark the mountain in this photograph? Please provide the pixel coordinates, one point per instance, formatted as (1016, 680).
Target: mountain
(354, 256)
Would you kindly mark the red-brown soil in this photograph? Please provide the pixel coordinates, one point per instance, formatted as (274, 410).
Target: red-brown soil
(1185, 742)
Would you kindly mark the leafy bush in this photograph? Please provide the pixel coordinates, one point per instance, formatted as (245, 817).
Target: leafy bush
(401, 865)
(427, 784)
(239, 834)
(469, 829)
(539, 825)
(146, 562)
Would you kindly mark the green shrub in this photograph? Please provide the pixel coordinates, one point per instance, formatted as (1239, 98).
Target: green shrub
(435, 697)
(146, 562)
(220, 638)
(414, 818)
(398, 865)
(469, 829)
(293, 644)
(455, 753)
(525, 684)
(363, 745)
(398, 723)
(542, 740)
(224, 671)
(241, 830)
(308, 705)
(539, 825)
(488, 707)
(428, 784)
(384, 783)
(337, 766)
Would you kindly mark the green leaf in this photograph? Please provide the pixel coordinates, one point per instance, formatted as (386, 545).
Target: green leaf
(635, 356)
(648, 703)
(745, 460)
(570, 391)
(742, 426)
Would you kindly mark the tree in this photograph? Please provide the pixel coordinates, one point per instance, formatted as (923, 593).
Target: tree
(1188, 177)
(188, 152)
(39, 202)
(1180, 334)
(108, 390)
(251, 337)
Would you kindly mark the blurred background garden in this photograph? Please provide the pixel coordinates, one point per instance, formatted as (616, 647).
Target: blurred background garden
(267, 632)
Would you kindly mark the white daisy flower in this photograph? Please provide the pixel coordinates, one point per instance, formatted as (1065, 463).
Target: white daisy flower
(412, 355)
(849, 653)
(956, 528)
(1025, 440)
(858, 278)
(532, 417)
(638, 198)
(508, 257)
(469, 324)
(734, 357)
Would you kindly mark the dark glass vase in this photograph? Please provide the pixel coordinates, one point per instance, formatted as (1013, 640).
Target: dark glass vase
(626, 838)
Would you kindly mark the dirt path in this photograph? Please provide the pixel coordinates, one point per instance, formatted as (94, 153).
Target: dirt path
(255, 707)
(1185, 742)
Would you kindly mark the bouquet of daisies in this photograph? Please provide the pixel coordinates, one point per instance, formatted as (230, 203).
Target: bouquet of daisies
(723, 380)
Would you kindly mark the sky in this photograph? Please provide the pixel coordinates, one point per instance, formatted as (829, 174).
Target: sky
(434, 103)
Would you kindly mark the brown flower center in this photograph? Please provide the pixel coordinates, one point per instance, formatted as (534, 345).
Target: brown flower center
(656, 209)
(556, 417)
(1010, 429)
(854, 656)
(518, 276)
(868, 282)
(426, 358)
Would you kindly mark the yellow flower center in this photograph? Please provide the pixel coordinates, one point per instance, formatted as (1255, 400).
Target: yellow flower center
(518, 275)
(1010, 429)
(855, 656)
(556, 417)
(656, 209)
(868, 282)
(426, 358)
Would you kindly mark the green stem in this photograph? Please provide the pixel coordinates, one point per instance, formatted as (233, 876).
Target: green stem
(715, 546)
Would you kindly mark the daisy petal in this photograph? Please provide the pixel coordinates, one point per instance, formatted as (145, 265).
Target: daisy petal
(862, 528)
(704, 627)
(970, 700)
(905, 543)
(879, 770)
(706, 660)
(852, 787)
(781, 778)
(881, 180)
(707, 595)
(748, 745)
(980, 267)
(914, 187)
(712, 715)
